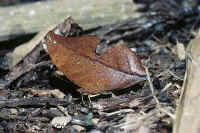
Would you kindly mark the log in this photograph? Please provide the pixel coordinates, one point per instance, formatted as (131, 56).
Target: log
(188, 110)
(30, 18)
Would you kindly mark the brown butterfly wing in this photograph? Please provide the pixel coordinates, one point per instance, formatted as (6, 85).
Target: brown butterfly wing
(76, 58)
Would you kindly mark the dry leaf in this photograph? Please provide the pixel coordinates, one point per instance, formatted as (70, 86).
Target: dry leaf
(117, 68)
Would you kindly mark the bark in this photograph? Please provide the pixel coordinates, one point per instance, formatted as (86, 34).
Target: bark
(30, 18)
(188, 111)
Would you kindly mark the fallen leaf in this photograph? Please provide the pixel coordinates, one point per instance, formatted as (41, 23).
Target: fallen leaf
(117, 68)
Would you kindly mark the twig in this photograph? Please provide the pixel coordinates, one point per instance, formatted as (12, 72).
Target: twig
(151, 86)
(34, 101)
(173, 74)
(166, 87)
(26, 69)
(154, 96)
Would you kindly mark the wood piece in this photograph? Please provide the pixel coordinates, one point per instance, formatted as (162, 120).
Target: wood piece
(30, 18)
(30, 59)
(34, 101)
(188, 111)
(21, 51)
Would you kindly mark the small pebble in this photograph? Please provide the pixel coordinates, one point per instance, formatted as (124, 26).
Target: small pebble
(61, 121)
(78, 128)
(95, 131)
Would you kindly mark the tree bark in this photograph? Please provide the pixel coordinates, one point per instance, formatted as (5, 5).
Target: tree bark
(188, 111)
(31, 18)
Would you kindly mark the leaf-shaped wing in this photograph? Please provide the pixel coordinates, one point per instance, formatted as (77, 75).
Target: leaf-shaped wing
(117, 68)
